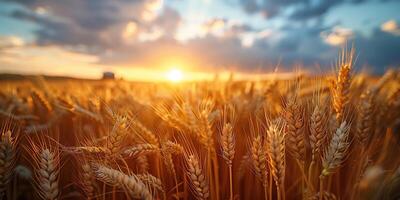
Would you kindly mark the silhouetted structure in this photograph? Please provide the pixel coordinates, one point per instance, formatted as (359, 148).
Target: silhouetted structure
(108, 76)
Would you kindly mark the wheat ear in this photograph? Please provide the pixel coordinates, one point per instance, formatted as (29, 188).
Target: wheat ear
(117, 135)
(325, 196)
(151, 180)
(228, 143)
(7, 160)
(228, 151)
(144, 132)
(41, 102)
(88, 181)
(135, 187)
(197, 178)
(205, 132)
(365, 119)
(294, 128)
(141, 149)
(341, 90)
(317, 130)
(86, 149)
(259, 157)
(173, 148)
(337, 149)
(276, 149)
(142, 164)
(47, 172)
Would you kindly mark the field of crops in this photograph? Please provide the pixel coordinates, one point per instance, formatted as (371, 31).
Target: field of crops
(333, 136)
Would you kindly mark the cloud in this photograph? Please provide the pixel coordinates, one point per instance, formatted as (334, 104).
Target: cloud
(10, 41)
(264, 50)
(248, 39)
(392, 27)
(250, 6)
(309, 10)
(219, 27)
(268, 8)
(301, 9)
(130, 30)
(214, 26)
(97, 24)
(296, 10)
(337, 36)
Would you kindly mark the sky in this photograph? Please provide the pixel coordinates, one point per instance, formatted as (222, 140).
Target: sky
(139, 39)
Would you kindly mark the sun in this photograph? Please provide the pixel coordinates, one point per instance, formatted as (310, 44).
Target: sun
(174, 75)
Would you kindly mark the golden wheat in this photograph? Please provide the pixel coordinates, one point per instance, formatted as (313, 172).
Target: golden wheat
(273, 138)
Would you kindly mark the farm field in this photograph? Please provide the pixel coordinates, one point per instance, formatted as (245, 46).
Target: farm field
(333, 136)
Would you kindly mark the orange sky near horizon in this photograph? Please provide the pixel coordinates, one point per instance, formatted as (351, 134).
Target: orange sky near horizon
(143, 40)
(56, 61)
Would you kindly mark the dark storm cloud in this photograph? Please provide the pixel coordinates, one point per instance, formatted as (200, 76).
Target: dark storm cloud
(97, 26)
(380, 50)
(270, 8)
(309, 10)
(301, 9)
(58, 32)
(91, 14)
(250, 6)
(93, 24)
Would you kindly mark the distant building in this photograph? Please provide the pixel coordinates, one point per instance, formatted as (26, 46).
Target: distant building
(108, 76)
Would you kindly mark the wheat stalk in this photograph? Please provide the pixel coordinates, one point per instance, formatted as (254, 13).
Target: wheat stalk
(41, 102)
(117, 135)
(140, 149)
(173, 148)
(365, 119)
(335, 154)
(7, 159)
(144, 132)
(168, 149)
(88, 181)
(135, 187)
(228, 151)
(142, 164)
(91, 115)
(317, 130)
(197, 178)
(191, 117)
(151, 180)
(276, 149)
(47, 174)
(259, 157)
(205, 132)
(228, 143)
(337, 149)
(86, 149)
(341, 90)
(169, 162)
(294, 128)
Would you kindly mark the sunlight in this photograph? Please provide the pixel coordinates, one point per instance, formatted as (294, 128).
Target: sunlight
(174, 75)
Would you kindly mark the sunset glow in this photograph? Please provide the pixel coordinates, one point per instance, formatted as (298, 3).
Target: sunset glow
(175, 75)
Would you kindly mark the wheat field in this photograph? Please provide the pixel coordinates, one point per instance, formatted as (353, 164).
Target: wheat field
(333, 136)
